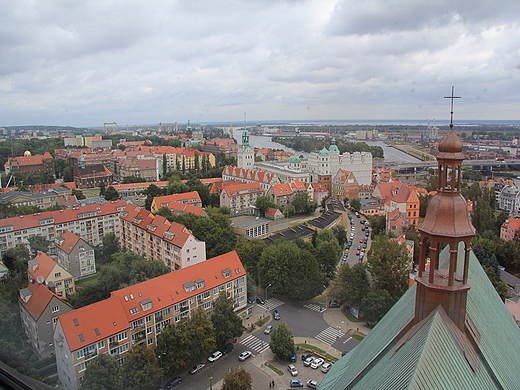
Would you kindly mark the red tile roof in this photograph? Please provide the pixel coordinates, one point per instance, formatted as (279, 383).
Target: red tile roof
(45, 265)
(69, 241)
(191, 197)
(242, 189)
(30, 160)
(112, 315)
(249, 174)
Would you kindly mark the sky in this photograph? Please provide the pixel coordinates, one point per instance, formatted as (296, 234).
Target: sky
(83, 63)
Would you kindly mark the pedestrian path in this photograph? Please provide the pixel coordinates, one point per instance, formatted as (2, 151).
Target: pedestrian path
(330, 335)
(271, 304)
(255, 344)
(315, 307)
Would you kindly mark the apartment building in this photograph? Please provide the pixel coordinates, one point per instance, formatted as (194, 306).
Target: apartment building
(28, 164)
(156, 238)
(75, 255)
(284, 193)
(39, 311)
(44, 269)
(90, 222)
(241, 198)
(136, 315)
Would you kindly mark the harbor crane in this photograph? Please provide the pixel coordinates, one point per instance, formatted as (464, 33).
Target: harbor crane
(108, 130)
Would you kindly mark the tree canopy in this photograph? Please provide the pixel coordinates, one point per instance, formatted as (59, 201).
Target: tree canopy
(237, 379)
(103, 373)
(282, 341)
(225, 321)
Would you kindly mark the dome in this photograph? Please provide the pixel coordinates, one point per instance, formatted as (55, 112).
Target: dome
(27, 153)
(333, 149)
(294, 159)
(324, 152)
(450, 143)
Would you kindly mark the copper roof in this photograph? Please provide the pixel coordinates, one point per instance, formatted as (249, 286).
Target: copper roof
(447, 215)
(450, 146)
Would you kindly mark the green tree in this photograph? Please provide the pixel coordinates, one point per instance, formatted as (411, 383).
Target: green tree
(327, 252)
(111, 193)
(164, 165)
(110, 245)
(173, 347)
(141, 366)
(500, 286)
(302, 204)
(352, 285)
(483, 217)
(250, 252)
(16, 258)
(225, 321)
(237, 379)
(340, 234)
(411, 233)
(376, 304)
(39, 243)
(424, 201)
(282, 342)
(355, 203)
(388, 265)
(103, 373)
(166, 213)
(263, 203)
(378, 224)
(78, 194)
(290, 270)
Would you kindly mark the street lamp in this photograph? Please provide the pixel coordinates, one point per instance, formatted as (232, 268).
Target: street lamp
(269, 285)
(210, 379)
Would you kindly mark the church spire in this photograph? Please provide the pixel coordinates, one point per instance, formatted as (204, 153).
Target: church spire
(446, 222)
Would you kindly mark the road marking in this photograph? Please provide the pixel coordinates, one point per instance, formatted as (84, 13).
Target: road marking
(271, 304)
(315, 307)
(330, 335)
(254, 343)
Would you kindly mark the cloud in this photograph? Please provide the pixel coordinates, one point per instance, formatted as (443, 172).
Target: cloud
(84, 63)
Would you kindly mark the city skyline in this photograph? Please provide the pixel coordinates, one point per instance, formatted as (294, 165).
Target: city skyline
(228, 61)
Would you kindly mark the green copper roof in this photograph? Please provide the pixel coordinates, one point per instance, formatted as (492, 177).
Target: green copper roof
(294, 159)
(431, 358)
(324, 152)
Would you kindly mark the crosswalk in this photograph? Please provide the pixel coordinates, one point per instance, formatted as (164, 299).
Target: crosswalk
(255, 344)
(271, 304)
(330, 335)
(315, 307)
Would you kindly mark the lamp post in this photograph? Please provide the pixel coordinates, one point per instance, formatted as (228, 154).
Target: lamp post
(269, 285)
(210, 379)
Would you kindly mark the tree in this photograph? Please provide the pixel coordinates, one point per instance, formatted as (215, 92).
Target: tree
(78, 194)
(226, 323)
(388, 264)
(16, 259)
(378, 224)
(327, 252)
(351, 285)
(103, 373)
(141, 366)
(376, 304)
(110, 245)
(263, 203)
(237, 379)
(39, 243)
(340, 234)
(282, 342)
(250, 252)
(411, 233)
(290, 270)
(355, 204)
(111, 193)
(164, 165)
(500, 286)
(303, 205)
(133, 179)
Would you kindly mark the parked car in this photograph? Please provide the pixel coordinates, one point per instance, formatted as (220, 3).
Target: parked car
(334, 304)
(306, 355)
(312, 384)
(293, 358)
(199, 367)
(216, 355)
(295, 383)
(326, 367)
(317, 362)
(292, 369)
(260, 301)
(174, 382)
(244, 355)
(276, 315)
(227, 348)
(268, 329)
(307, 362)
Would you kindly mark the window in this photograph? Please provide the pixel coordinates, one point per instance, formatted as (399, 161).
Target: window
(55, 309)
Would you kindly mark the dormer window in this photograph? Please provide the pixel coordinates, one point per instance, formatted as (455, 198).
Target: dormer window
(226, 273)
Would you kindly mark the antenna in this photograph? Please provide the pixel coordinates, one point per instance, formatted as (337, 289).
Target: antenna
(40, 279)
(451, 106)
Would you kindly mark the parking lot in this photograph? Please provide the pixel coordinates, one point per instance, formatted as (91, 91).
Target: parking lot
(304, 373)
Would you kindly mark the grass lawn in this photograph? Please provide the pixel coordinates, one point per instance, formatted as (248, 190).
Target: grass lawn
(87, 280)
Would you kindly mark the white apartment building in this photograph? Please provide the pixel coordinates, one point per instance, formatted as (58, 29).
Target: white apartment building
(90, 222)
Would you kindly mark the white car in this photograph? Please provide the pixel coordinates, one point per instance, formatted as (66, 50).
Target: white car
(216, 355)
(326, 367)
(292, 369)
(307, 362)
(316, 363)
(244, 355)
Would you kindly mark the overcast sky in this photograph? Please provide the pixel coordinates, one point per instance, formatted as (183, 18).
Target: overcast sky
(83, 63)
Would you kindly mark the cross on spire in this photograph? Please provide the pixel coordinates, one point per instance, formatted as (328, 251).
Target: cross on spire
(451, 106)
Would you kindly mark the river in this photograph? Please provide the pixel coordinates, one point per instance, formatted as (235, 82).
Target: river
(391, 154)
